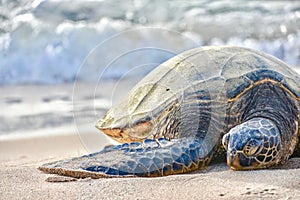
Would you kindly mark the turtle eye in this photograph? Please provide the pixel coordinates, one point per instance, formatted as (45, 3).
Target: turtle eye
(253, 147)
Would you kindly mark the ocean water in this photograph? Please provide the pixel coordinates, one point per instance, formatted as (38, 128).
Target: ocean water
(58, 41)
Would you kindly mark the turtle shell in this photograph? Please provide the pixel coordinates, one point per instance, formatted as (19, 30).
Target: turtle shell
(200, 76)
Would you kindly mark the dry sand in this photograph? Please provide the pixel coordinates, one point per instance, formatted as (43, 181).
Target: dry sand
(21, 180)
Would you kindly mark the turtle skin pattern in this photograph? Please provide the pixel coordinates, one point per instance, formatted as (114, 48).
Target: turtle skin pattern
(263, 133)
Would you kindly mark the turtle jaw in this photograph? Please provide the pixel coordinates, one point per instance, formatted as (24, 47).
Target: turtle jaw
(137, 133)
(238, 161)
(233, 162)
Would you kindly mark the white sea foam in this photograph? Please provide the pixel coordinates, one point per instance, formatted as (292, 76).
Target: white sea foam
(47, 41)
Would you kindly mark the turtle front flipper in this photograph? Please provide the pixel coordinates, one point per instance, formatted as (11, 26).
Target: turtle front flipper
(149, 158)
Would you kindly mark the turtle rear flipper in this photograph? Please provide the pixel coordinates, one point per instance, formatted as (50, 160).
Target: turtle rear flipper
(149, 158)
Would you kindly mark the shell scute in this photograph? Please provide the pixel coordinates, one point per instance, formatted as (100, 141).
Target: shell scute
(261, 74)
(237, 85)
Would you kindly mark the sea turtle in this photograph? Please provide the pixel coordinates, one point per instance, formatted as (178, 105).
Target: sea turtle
(181, 115)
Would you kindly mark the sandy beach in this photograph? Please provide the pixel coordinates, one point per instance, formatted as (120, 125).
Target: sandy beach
(20, 178)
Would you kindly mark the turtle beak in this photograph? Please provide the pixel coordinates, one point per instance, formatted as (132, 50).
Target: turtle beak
(106, 122)
(238, 161)
(109, 126)
(115, 118)
(233, 160)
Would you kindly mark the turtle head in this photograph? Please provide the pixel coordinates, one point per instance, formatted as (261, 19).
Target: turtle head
(134, 117)
(253, 144)
(123, 127)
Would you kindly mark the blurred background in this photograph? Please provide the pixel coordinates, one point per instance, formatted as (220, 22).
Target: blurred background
(46, 41)
(63, 61)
